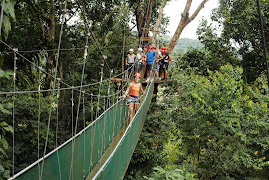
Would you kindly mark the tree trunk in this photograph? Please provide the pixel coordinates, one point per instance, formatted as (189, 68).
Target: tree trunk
(143, 21)
(51, 20)
(184, 21)
(158, 23)
(138, 16)
(51, 38)
(148, 18)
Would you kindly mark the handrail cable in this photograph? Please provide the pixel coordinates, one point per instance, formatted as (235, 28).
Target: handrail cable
(49, 90)
(66, 49)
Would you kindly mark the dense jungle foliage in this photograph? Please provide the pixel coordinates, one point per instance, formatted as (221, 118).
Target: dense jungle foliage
(210, 123)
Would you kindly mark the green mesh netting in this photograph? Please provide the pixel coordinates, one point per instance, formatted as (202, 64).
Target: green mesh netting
(88, 148)
(89, 145)
(122, 156)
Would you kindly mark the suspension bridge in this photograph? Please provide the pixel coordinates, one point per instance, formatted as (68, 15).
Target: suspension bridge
(101, 150)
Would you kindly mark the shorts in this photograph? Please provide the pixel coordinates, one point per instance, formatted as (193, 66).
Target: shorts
(149, 67)
(138, 67)
(165, 66)
(132, 100)
(158, 66)
(130, 66)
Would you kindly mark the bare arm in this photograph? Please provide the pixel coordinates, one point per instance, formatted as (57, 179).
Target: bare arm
(126, 60)
(141, 89)
(127, 90)
(169, 57)
(160, 57)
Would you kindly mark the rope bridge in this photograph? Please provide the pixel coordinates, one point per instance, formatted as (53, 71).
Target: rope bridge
(101, 150)
(89, 145)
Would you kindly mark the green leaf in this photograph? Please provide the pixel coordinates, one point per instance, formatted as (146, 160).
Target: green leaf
(4, 142)
(2, 124)
(2, 73)
(6, 174)
(9, 128)
(1, 60)
(6, 25)
(9, 8)
(1, 168)
(8, 74)
(3, 110)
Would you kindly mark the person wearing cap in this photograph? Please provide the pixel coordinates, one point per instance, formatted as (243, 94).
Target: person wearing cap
(158, 64)
(144, 62)
(166, 59)
(133, 99)
(130, 59)
(138, 62)
(150, 59)
(161, 72)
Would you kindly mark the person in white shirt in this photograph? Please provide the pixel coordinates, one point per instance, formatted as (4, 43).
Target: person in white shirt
(138, 60)
(130, 59)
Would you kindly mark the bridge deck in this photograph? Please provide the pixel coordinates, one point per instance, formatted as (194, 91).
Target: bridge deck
(108, 151)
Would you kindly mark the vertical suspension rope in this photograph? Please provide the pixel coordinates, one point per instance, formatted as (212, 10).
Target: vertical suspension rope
(100, 86)
(72, 121)
(80, 92)
(54, 83)
(118, 127)
(113, 125)
(109, 86)
(84, 127)
(122, 66)
(103, 136)
(13, 111)
(38, 123)
(108, 97)
(93, 134)
(79, 98)
(57, 124)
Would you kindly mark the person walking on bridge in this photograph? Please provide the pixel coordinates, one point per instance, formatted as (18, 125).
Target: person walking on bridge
(133, 100)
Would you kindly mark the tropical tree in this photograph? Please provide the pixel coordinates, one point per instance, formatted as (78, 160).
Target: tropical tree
(222, 123)
(186, 18)
(241, 27)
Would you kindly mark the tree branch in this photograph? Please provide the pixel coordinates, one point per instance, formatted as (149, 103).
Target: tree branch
(187, 7)
(147, 17)
(158, 23)
(197, 10)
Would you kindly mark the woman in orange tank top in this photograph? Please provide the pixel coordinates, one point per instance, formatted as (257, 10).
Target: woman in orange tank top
(133, 100)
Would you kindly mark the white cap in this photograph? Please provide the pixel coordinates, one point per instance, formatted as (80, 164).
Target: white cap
(139, 49)
(131, 50)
